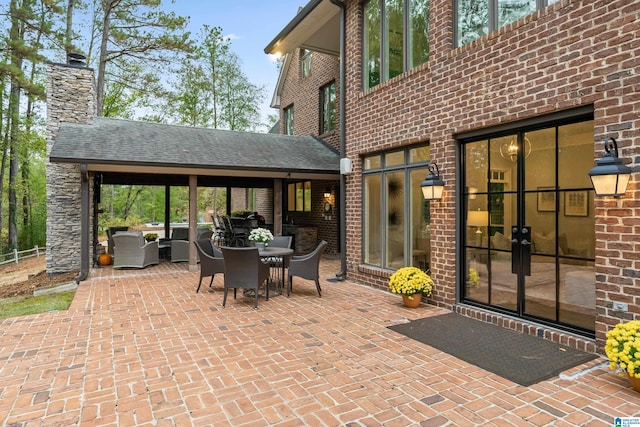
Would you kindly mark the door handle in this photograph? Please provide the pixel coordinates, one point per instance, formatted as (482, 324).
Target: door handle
(525, 242)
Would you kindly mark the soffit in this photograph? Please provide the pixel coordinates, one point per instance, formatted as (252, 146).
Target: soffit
(316, 27)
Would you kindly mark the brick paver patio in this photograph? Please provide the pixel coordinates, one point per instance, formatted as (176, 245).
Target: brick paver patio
(141, 348)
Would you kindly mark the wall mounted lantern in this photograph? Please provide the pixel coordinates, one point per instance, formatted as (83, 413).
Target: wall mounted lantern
(327, 193)
(610, 176)
(432, 186)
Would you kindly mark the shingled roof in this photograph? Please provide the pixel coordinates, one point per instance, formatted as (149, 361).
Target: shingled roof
(134, 143)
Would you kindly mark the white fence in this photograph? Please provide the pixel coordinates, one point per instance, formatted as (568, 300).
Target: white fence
(17, 255)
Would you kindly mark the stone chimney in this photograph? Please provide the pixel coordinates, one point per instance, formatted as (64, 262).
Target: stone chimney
(70, 98)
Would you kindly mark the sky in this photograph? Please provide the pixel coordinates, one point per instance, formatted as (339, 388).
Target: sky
(251, 25)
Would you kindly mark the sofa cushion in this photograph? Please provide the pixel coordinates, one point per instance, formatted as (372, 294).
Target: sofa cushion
(500, 241)
(180, 233)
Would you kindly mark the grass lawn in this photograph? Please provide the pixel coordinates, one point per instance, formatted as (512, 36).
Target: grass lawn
(24, 305)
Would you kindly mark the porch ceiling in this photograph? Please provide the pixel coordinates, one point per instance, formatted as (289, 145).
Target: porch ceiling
(315, 27)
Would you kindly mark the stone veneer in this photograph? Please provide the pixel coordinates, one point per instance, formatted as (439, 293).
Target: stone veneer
(70, 98)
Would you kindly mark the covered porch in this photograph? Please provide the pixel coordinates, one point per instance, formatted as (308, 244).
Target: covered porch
(122, 152)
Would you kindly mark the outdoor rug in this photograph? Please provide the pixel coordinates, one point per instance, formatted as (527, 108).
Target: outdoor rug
(523, 359)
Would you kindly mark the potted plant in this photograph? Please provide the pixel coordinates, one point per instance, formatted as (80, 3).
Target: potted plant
(412, 283)
(260, 236)
(150, 237)
(623, 350)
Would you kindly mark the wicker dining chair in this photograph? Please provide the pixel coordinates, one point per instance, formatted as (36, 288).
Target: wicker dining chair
(307, 266)
(211, 263)
(243, 269)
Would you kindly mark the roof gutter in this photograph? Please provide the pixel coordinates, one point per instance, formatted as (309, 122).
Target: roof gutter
(343, 116)
(84, 224)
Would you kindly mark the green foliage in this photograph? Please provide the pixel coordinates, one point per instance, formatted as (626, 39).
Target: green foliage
(142, 43)
(22, 306)
(211, 90)
(150, 204)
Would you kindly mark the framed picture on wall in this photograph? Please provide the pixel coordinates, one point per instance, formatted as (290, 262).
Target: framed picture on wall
(576, 203)
(546, 200)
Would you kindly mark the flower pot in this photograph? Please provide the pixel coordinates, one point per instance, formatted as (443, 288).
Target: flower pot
(411, 303)
(635, 383)
(260, 245)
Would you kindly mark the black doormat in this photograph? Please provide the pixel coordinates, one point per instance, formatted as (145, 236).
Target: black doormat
(523, 359)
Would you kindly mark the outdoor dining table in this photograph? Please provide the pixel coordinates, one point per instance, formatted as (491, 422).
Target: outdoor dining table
(276, 252)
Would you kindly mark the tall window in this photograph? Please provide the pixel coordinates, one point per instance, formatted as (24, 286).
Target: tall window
(251, 199)
(328, 108)
(299, 196)
(395, 39)
(396, 229)
(475, 18)
(288, 120)
(305, 62)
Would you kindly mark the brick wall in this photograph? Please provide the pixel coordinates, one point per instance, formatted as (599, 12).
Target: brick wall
(304, 94)
(573, 53)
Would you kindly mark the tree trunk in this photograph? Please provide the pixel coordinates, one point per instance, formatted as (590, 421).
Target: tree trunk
(68, 43)
(102, 62)
(14, 123)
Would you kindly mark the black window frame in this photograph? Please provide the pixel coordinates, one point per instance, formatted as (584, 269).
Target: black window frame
(292, 189)
(492, 19)
(328, 124)
(306, 62)
(288, 120)
(407, 60)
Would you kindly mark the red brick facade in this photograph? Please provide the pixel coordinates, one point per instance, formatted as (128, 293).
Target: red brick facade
(570, 54)
(304, 94)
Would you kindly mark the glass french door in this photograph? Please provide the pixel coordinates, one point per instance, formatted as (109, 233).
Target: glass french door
(529, 232)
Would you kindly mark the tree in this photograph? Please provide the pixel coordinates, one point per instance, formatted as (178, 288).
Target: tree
(137, 30)
(212, 90)
(30, 21)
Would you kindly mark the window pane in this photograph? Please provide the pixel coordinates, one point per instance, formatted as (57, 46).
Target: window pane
(373, 162)
(328, 108)
(395, 37)
(288, 120)
(291, 197)
(307, 196)
(371, 40)
(540, 159)
(476, 165)
(420, 154)
(395, 220)
(419, 32)
(504, 160)
(394, 159)
(473, 20)
(420, 220)
(512, 10)
(305, 62)
(299, 197)
(372, 220)
(575, 155)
